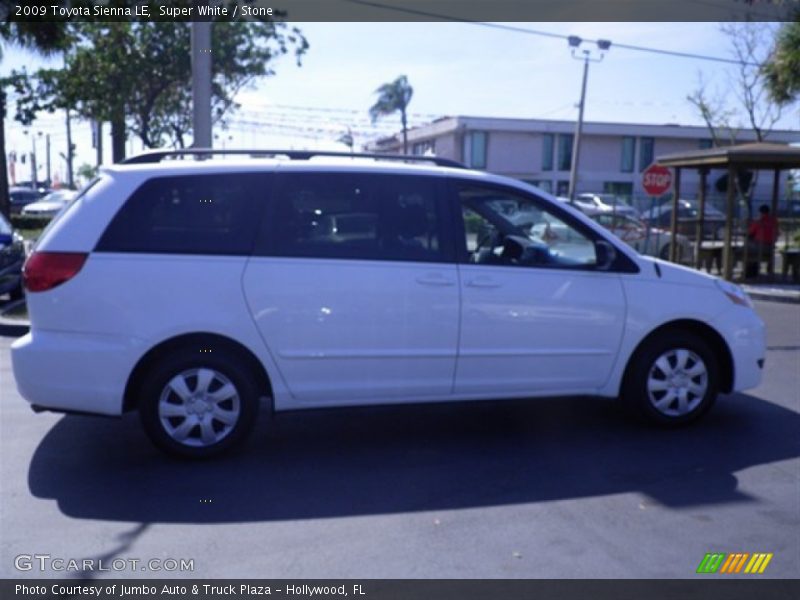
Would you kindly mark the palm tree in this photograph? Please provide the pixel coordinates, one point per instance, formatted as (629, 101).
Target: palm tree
(393, 97)
(45, 38)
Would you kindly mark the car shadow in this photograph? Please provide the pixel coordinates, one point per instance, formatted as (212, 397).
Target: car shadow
(344, 462)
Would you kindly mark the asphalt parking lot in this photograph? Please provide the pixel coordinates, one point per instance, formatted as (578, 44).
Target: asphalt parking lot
(545, 488)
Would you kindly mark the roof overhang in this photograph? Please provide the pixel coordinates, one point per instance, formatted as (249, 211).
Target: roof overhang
(744, 156)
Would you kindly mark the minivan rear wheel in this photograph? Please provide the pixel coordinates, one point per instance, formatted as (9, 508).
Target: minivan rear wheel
(197, 406)
(672, 379)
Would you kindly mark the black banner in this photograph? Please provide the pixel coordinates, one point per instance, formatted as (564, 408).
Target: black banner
(712, 588)
(400, 10)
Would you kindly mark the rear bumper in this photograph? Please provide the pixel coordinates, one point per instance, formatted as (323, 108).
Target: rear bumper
(70, 372)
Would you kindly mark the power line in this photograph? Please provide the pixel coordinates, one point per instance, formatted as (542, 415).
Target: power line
(549, 34)
(353, 111)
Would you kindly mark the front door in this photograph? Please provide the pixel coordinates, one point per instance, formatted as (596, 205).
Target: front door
(537, 317)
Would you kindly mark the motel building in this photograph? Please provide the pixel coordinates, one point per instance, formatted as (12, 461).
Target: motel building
(539, 151)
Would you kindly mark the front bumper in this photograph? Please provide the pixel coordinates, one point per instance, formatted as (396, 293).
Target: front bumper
(745, 333)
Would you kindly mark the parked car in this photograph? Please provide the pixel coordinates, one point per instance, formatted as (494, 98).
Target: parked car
(688, 215)
(12, 255)
(610, 203)
(194, 291)
(22, 196)
(50, 205)
(651, 241)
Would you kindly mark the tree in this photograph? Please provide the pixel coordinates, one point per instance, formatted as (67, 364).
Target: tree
(745, 102)
(87, 172)
(782, 69)
(393, 97)
(137, 75)
(241, 53)
(43, 37)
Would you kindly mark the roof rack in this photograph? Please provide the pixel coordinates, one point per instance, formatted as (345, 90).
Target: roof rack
(157, 156)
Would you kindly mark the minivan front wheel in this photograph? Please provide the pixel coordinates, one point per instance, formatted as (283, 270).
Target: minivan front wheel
(197, 407)
(673, 379)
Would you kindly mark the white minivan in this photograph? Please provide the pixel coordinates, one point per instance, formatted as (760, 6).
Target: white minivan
(194, 291)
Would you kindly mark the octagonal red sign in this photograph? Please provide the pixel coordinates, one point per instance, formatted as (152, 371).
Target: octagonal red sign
(656, 180)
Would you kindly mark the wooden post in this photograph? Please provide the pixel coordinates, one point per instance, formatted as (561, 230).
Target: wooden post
(698, 243)
(727, 257)
(746, 247)
(676, 191)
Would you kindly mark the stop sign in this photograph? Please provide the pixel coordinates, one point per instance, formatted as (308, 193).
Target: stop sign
(656, 180)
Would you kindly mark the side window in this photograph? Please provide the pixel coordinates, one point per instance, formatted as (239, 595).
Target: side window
(503, 228)
(188, 214)
(355, 216)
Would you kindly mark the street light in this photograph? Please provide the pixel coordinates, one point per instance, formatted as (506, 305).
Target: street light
(586, 56)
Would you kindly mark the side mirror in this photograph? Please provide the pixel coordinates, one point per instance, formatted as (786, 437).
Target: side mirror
(606, 254)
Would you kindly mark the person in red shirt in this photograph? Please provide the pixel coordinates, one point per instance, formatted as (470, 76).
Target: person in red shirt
(762, 234)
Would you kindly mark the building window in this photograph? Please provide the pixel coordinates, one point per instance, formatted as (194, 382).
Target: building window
(562, 188)
(542, 184)
(706, 144)
(646, 145)
(628, 152)
(565, 151)
(426, 148)
(622, 189)
(475, 149)
(547, 151)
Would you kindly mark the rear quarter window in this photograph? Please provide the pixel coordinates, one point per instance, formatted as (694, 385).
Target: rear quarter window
(189, 214)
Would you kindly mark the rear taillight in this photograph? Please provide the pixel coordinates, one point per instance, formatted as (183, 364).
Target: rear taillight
(45, 270)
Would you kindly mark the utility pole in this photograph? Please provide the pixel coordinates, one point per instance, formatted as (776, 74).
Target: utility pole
(47, 146)
(70, 179)
(98, 140)
(575, 42)
(201, 84)
(34, 182)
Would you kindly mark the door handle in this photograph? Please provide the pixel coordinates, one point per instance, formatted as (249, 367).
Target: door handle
(435, 279)
(483, 282)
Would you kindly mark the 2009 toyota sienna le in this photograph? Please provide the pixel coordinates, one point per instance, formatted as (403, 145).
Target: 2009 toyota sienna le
(191, 290)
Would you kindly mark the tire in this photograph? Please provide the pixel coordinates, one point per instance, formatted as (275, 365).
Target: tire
(16, 294)
(673, 379)
(196, 405)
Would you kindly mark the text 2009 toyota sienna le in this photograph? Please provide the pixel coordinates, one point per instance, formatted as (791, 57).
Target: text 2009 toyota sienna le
(191, 289)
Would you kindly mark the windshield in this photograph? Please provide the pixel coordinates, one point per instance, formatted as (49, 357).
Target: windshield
(60, 196)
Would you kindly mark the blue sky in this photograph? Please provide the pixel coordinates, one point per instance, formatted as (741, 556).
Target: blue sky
(456, 68)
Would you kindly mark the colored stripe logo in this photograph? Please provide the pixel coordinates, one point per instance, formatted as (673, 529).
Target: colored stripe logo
(736, 562)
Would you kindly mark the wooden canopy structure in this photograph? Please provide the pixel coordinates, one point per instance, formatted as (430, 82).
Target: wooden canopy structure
(733, 159)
